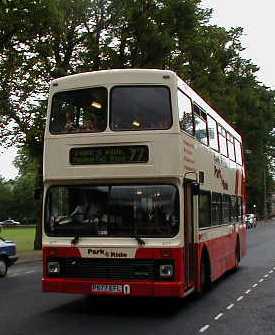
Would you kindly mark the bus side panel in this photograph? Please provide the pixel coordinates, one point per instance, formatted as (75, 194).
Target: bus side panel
(222, 253)
(243, 240)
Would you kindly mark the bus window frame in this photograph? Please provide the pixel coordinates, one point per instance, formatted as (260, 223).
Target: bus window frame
(203, 116)
(139, 130)
(47, 196)
(217, 133)
(77, 132)
(209, 196)
(241, 152)
(220, 133)
(220, 210)
(228, 136)
(192, 112)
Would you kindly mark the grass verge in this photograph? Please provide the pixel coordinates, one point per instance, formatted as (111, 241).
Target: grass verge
(23, 237)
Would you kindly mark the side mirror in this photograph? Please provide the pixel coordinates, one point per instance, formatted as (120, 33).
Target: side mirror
(195, 186)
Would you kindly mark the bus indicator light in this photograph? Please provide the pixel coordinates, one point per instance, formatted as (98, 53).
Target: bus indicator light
(166, 270)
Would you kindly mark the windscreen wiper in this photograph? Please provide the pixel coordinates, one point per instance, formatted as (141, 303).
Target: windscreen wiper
(139, 240)
(75, 239)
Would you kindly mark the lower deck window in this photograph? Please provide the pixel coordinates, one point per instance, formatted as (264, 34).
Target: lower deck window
(204, 209)
(112, 211)
(216, 209)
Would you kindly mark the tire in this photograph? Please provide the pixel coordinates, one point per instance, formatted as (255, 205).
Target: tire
(237, 256)
(205, 274)
(3, 267)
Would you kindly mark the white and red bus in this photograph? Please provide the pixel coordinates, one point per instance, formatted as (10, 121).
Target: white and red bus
(143, 187)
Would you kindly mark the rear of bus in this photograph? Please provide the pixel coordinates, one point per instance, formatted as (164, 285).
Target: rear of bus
(112, 219)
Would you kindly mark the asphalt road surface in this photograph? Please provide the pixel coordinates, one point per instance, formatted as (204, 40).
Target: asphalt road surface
(240, 303)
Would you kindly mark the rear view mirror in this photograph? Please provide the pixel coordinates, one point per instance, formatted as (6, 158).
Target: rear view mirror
(195, 188)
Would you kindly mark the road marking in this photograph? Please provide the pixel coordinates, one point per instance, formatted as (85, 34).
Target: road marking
(16, 274)
(229, 306)
(13, 275)
(204, 328)
(217, 317)
(32, 271)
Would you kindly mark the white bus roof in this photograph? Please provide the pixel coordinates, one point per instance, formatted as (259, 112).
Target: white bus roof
(115, 76)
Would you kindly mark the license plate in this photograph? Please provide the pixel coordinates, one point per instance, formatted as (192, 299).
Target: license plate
(114, 289)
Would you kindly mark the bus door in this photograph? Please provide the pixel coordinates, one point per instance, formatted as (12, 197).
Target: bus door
(189, 234)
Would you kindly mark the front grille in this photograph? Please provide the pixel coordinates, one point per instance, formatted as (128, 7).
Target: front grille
(108, 268)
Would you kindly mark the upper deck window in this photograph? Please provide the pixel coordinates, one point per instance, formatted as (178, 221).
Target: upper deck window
(200, 125)
(238, 150)
(140, 108)
(212, 133)
(222, 141)
(83, 110)
(185, 113)
(230, 146)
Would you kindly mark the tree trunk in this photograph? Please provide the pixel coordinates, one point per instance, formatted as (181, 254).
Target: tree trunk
(39, 206)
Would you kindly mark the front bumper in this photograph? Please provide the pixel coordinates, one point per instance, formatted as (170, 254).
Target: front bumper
(12, 260)
(137, 288)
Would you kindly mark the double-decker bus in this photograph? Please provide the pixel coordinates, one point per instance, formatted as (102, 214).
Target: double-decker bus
(143, 187)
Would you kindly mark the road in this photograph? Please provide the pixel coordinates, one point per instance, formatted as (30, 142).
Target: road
(240, 303)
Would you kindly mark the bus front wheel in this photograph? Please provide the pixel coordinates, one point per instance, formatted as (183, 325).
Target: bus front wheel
(205, 274)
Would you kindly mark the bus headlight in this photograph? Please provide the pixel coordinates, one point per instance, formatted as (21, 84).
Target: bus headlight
(53, 268)
(166, 270)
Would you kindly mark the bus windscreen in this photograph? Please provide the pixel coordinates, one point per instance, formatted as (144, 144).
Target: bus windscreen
(112, 211)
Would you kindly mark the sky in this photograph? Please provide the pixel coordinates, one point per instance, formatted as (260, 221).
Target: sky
(257, 19)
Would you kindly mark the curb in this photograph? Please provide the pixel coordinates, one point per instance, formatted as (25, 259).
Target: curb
(32, 257)
(21, 260)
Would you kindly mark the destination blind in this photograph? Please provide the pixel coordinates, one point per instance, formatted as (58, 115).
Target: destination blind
(109, 155)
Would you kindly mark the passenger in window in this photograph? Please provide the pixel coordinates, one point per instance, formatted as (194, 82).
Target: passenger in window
(90, 124)
(69, 125)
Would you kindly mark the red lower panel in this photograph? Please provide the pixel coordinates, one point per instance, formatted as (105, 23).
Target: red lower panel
(221, 253)
(142, 289)
(174, 288)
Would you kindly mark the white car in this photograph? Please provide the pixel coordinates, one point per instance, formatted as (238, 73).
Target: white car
(9, 222)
